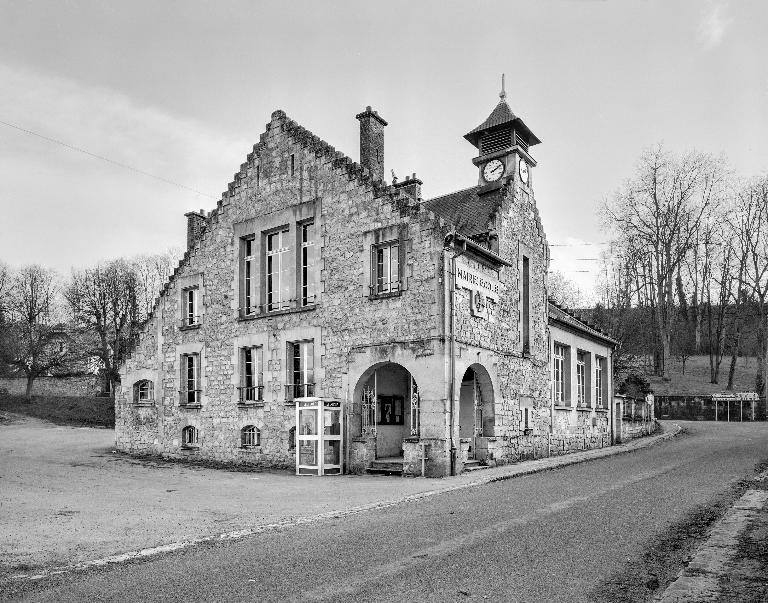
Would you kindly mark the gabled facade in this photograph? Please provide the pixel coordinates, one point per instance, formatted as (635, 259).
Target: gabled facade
(428, 319)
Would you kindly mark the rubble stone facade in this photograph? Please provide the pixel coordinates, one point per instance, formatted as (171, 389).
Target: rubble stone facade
(314, 277)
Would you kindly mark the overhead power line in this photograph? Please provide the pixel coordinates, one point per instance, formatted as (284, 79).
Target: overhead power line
(107, 159)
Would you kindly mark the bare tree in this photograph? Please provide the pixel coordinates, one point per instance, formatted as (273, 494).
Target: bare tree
(32, 340)
(661, 210)
(104, 301)
(152, 272)
(752, 234)
(563, 290)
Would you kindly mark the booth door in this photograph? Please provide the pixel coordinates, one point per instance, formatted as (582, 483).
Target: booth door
(332, 430)
(308, 439)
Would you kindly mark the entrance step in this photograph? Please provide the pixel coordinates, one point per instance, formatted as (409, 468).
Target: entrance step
(475, 466)
(388, 466)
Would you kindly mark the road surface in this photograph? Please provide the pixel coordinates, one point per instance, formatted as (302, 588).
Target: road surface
(563, 535)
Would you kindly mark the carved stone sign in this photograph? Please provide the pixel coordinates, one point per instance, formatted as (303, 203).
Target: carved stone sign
(485, 290)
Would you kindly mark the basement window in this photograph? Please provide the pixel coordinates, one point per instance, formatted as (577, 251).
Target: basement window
(189, 437)
(250, 437)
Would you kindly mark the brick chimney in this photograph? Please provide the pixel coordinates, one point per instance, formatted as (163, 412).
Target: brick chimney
(411, 186)
(195, 227)
(372, 142)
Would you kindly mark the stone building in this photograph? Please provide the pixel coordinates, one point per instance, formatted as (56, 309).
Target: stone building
(427, 319)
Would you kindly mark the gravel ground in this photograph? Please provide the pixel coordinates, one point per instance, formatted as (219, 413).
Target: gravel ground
(66, 497)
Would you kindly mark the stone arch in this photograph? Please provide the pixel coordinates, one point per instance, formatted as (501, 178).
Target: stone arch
(394, 421)
(476, 381)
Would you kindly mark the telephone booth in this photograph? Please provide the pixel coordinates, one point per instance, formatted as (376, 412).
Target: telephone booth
(319, 428)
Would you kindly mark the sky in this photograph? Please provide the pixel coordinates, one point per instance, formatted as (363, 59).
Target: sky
(175, 94)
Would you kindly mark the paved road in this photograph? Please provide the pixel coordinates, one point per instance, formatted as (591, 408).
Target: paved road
(553, 536)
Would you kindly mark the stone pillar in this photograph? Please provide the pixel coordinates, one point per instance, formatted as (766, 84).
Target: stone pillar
(372, 142)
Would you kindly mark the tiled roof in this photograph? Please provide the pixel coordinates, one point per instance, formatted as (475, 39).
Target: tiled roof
(468, 212)
(562, 315)
(502, 114)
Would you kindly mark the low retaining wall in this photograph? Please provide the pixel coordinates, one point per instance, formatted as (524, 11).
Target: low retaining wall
(82, 386)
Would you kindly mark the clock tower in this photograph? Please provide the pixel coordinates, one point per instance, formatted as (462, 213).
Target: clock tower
(503, 141)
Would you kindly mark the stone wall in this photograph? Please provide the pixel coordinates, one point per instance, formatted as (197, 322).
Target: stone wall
(79, 386)
(344, 203)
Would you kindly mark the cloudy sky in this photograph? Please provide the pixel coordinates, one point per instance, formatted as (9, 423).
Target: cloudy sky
(182, 90)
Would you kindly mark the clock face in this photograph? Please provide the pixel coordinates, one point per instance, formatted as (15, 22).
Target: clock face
(523, 171)
(493, 170)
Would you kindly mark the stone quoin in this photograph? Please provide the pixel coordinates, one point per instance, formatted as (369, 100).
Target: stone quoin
(427, 319)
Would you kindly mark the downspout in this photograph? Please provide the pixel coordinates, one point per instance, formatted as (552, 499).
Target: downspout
(449, 240)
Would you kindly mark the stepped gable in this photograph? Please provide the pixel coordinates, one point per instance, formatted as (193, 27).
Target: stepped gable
(469, 212)
(557, 312)
(401, 202)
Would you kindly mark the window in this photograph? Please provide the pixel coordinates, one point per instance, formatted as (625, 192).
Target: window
(581, 380)
(293, 164)
(189, 437)
(292, 438)
(249, 272)
(190, 379)
(251, 384)
(143, 391)
(278, 266)
(301, 368)
(558, 373)
(385, 264)
(307, 264)
(525, 293)
(250, 437)
(189, 316)
(601, 385)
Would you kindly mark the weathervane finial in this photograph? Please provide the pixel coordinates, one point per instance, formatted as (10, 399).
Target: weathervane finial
(502, 94)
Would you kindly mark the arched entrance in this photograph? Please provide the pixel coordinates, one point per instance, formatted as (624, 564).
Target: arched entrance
(477, 420)
(386, 408)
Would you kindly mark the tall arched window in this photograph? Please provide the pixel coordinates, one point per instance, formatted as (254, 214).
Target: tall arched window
(143, 391)
(292, 438)
(250, 436)
(189, 437)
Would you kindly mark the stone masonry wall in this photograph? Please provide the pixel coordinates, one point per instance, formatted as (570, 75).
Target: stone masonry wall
(79, 386)
(344, 203)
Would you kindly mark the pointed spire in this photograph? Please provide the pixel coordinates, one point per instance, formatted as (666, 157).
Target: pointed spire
(503, 93)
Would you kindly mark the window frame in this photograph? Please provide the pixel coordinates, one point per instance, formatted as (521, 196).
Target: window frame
(379, 287)
(138, 397)
(256, 377)
(184, 392)
(283, 258)
(307, 235)
(190, 437)
(559, 354)
(249, 276)
(250, 437)
(190, 308)
(581, 380)
(302, 388)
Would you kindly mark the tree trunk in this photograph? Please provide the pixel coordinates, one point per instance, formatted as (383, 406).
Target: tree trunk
(28, 393)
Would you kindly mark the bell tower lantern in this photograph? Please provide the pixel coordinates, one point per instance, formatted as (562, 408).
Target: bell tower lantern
(503, 141)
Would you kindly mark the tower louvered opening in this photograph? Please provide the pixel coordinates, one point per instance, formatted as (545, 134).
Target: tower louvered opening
(522, 143)
(496, 141)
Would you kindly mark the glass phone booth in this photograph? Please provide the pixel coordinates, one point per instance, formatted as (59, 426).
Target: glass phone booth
(319, 428)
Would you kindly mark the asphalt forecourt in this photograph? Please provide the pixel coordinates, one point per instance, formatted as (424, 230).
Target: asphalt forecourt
(70, 502)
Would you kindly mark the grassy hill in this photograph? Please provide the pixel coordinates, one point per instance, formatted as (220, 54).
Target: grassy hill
(696, 378)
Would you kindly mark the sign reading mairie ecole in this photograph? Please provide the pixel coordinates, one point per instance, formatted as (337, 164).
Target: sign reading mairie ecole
(468, 278)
